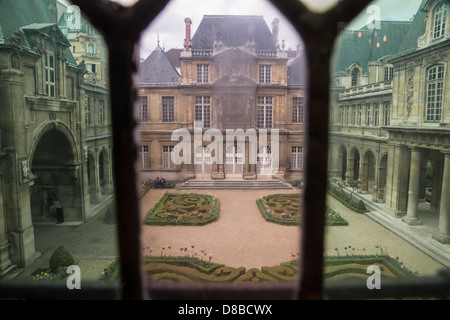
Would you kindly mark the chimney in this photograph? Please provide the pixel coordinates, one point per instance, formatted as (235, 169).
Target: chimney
(51, 5)
(187, 39)
(275, 23)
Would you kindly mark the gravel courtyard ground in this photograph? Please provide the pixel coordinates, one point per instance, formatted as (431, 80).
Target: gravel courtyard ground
(242, 238)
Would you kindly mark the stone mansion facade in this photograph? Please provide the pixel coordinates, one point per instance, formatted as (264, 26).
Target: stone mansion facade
(55, 132)
(223, 79)
(391, 114)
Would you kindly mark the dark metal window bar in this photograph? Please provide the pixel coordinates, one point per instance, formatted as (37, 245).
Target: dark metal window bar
(121, 27)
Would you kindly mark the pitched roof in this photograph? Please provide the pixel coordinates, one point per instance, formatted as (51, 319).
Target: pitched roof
(16, 14)
(297, 71)
(233, 31)
(416, 30)
(364, 45)
(174, 57)
(24, 16)
(157, 70)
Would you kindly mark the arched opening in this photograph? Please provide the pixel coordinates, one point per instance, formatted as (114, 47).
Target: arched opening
(56, 189)
(234, 161)
(92, 179)
(343, 162)
(103, 172)
(353, 163)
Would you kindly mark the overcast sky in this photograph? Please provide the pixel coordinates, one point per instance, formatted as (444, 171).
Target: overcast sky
(170, 28)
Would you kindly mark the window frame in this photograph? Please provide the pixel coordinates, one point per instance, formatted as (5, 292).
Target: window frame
(202, 108)
(168, 109)
(441, 10)
(264, 112)
(49, 71)
(298, 109)
(265, 73)
(124, 26)
(142, 102)
(434, 92)
(203, 73)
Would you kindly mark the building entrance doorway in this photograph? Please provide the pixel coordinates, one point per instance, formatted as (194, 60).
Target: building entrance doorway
(57, 183)
(234, 163)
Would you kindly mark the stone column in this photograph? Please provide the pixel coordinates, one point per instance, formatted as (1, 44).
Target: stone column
(443, 234)
(364, 177)
(413, 190)
(350, 169)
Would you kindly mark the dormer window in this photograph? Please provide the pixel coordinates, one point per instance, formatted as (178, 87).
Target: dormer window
(388, 72)
(265, 74)
(355, 76)
(49, 74)
(440, 19)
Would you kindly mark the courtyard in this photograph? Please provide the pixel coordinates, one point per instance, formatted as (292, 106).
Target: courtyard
(241, 237)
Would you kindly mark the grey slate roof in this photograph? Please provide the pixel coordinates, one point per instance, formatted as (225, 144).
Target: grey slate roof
(416, 30)
(297, 71)
(234, 31)
(360, 46)
(23, 16)
(15, 14)
(157, 70)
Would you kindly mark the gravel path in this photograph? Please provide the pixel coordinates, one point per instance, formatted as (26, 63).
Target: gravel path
(242, 238)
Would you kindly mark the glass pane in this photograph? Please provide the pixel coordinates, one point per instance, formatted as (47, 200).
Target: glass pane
(212, 63)
(57, 196)
(387, 176)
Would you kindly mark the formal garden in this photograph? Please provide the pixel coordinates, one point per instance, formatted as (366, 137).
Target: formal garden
(195, 265)
(286, 209)
(183, 209)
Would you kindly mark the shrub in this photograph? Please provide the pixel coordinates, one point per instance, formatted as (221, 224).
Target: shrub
(61, 258)
(361, 205)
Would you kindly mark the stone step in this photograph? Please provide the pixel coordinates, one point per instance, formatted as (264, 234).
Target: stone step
(233, 184)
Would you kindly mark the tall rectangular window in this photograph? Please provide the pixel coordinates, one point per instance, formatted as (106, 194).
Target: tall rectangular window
(388, 73)
(435, 88)
(265, 73)
(142, 108)
(144, 159)
(101, 111)
(264, 112)
(360, 114)
(90, 48)
(368, 115)
(353, 114)
(203, 73)
(347, 112)
(386, 113)
(49, 74)
(297, 110)
(376, 113)
(168, 114)
(202, 112)
(297, 157)
(167, 157)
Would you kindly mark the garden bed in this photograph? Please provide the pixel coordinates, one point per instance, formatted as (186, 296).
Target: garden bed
(183, 209)
(286, 209)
